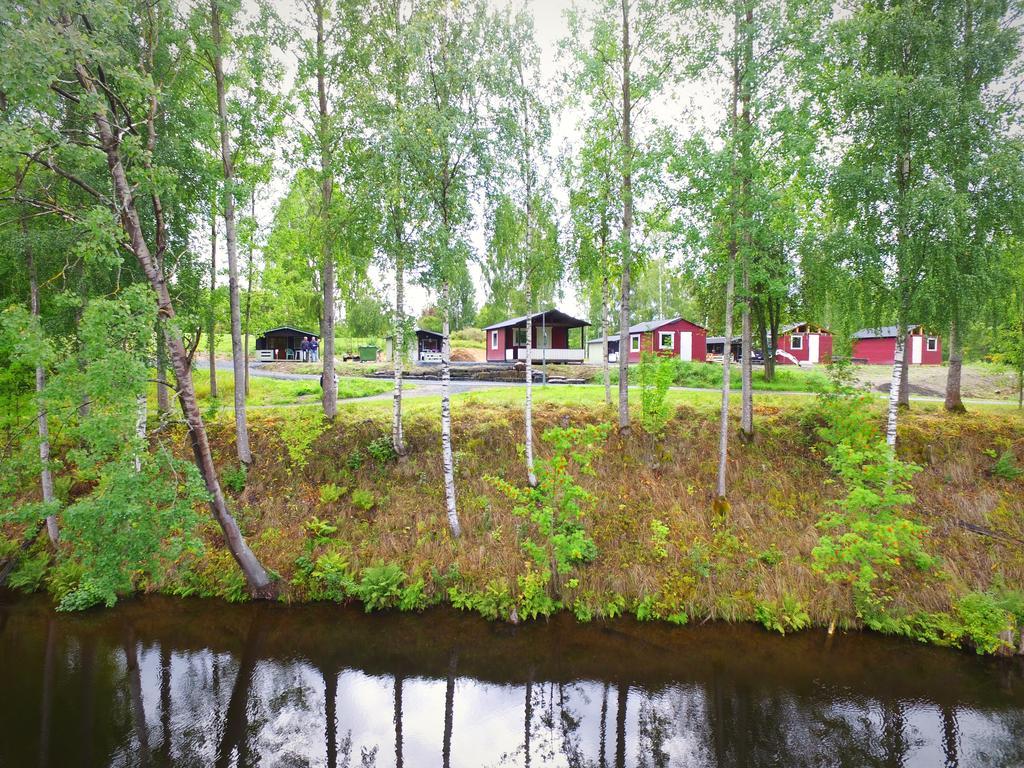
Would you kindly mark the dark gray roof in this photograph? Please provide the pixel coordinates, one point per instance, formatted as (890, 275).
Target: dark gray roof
(882, 332)
(551, 317)
(721, 339)
(418, 331)
(293, 329)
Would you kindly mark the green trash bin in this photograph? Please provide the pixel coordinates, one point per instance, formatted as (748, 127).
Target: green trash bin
(368, 354)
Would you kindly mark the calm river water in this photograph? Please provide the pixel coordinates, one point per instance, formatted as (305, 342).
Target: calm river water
(159, 682)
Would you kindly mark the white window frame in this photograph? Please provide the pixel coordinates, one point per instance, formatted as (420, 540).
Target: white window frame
(634, 342)
(494, 339)
(932, 344)
(671, 339)
(793, 339)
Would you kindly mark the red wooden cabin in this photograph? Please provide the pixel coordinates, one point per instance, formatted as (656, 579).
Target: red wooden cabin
(801, 343)
(506, 341)
(676, 337)
(877, 346)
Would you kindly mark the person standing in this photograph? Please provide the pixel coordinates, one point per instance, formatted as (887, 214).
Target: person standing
(304, 349)
(314, 349)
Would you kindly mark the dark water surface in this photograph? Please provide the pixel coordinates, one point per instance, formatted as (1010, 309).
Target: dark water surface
(160, 682)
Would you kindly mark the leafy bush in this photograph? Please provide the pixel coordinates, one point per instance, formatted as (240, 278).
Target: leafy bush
(655, 375)
(355, 460)
(656, 608)
(234, 477)
(495, 602)
(984, 620)
(787, 615)
(299, 431)
(381, 450)
(659, 539)
(363, 499)
(534, 599)
(331, 492)
(557, 505)
(1005, 466)
(380, 587)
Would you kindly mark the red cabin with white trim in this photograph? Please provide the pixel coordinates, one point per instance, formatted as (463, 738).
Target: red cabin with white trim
(803, 343)
(877, 346)
(676, 337)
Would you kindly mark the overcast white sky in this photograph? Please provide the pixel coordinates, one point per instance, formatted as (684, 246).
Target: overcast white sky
(689, 105)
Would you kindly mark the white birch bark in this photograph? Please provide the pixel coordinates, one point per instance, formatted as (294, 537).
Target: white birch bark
(604, 343)
(530, 474)
(42, 420)
(747, 366)
(330, 388)
(140, 428)
(892, 412)
(447, 459)
(231, 236)
(723, 423)
(398, 348)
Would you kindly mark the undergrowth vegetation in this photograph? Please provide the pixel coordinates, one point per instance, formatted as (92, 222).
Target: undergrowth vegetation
(826, 526)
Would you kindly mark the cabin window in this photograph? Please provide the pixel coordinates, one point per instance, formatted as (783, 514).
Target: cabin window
(542, 333)
(520, 337)
(666, 340)
(634, 342)
(933, 343)
(796, 341)
(494, 339)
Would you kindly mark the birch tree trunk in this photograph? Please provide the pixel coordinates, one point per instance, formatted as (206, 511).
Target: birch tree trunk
(447, 460)
(163, 400)
(604, 343)
(231, 236)
(904, 389)
(530, 474)
(397, 438)
(895, 384)
(723, 422)
(140, 427)
(42, 420)
(212, 324)
(954, 402)
(259, 583)
(627, 221)
(248, 295)
(330, 389)
(747, 366)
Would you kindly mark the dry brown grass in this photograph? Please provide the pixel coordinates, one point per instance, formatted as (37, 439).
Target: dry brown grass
(716, 566)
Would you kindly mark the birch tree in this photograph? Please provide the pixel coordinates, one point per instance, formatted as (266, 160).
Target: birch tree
(447, 143)
(625, 55)
(91, 58)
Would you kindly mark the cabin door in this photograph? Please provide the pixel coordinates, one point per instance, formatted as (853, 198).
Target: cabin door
(686, 345)
(915, 349)
(813, 353)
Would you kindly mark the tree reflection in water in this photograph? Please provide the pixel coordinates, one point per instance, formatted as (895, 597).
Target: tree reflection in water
(159, 683)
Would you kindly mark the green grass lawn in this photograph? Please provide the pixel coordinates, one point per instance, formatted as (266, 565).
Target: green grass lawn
(264, 391)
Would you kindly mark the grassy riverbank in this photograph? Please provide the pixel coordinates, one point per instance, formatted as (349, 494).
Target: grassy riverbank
(337, 517)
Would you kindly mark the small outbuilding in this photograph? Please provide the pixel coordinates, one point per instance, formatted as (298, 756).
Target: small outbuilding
(506, 341)
(715, 347)
(801, 343)
(877, 346)
(675, 337)
(283, 343)
(427, 348)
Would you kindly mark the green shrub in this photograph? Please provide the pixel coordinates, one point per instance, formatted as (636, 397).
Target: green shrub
(363, 499)
(414, 597)
(655, 375)
(299, 431)
(29, 572)
(234, 477)
(787, 615)
(381, 450)
(533, 598)
(495, 602)
(659, 539)
(984, 620)
(355, 460)
(331, 578)
(557, 504)
(331, 492)
(1005, 466)
(380, 587)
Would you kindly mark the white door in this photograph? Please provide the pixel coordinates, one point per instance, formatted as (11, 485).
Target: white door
(915, 349)
(686, 345)
(813, 340)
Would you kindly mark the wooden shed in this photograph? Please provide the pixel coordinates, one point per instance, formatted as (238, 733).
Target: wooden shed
(282, 343)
